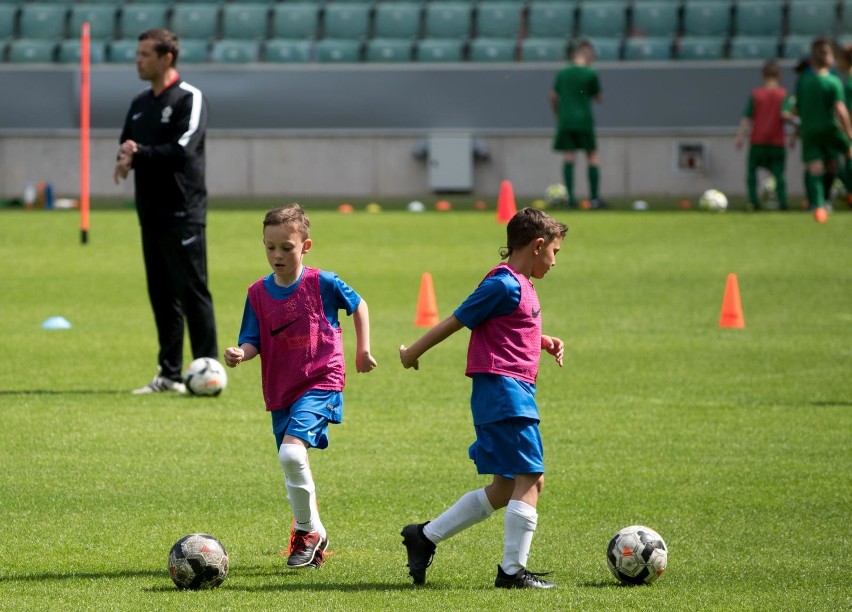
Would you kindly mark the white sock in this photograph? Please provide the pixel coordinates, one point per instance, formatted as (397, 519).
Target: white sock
(519, 522)
(301, 492)
(470, 509)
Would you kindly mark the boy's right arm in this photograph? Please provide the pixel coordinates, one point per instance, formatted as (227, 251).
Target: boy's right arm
(409, 355)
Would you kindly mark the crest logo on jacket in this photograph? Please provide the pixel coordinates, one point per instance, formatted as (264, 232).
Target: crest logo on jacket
(167, 115)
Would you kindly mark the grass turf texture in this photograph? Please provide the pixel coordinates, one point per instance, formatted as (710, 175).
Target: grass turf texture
(733, 444)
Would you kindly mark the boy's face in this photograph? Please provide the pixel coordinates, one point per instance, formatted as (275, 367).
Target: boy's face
(544, 256)
(285, 249)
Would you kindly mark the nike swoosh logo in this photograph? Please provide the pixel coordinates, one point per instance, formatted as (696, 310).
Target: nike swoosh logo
(188, 241)
(136, 116)
(535, 313)
(275, 332)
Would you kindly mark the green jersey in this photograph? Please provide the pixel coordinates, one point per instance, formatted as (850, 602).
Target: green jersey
(576, 86)
(847, 90)
(816, 95)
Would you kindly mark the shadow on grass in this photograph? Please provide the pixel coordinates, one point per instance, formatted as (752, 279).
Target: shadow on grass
(63, 392)
(58, 576)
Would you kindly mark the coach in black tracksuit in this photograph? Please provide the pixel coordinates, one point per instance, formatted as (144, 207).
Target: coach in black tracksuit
(163, 143)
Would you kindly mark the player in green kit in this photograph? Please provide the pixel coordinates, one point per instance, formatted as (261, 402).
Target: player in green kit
(571, 98)
(844, 70)
(825, 129)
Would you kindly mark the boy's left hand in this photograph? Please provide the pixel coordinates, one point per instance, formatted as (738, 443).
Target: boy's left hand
(554, 346)
(365, 362)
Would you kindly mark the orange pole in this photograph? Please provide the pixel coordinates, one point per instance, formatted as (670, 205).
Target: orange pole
(84, 132)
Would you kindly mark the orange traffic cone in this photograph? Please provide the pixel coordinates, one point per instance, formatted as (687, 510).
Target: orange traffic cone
(732, 308)
(427, 305)
(506, 208)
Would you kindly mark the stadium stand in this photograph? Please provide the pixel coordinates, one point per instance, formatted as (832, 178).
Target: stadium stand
(448, 20)
(389, 50)
(347, 21)
(137, 17)
(42, 21)
(648, 48)
(233, 51)
(8, 13)
(551, 20)
(543, 50)
(604, 18)
(331, 50)
(812, 18)
(753, 47)
(759, 18)
(706, 18)
(655, 19)
(607, 49)
(282, 51)
(498, 20)
(121, 51)
(69, 52)
(245, 21)
(192, 20)
(439, 50)
(492, 50)
(194, 51)
(295, 21)
(400, 20)
(700, 48)
(796, 46)
(28, 51)
(101, 19)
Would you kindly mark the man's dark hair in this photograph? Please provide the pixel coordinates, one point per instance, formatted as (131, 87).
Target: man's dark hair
(164, 42)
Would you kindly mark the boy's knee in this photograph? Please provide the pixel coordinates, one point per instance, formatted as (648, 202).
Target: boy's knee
(292, 456)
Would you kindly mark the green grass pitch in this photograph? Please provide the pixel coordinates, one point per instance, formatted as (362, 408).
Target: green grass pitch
(733, 444)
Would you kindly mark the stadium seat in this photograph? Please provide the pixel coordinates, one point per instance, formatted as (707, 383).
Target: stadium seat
(448, 20)
(397, 20)
(551, 20)
(330, 50)
(846, 18)
(753, 47)
(492, 50)
(232, 51)
(30, 51)
(498, 19)
(706, 18)
(796, 46)
(389, 50)
(655, 19)
(136, 18)
(193, 51)
(648, 48)
(760, 18)
(121, 51)
(603, 18)
(295, 21)
(812, 18)
(44, 21)
(606, 49)
(69, 52)
(198, 21)
(8, 12)
(543, 50)
(700, 48)
(439, 50)
(347, 21)
(285, 51)
(101, 18)
(245, 21)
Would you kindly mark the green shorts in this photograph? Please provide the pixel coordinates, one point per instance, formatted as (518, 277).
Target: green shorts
(575, 140)
(766, 156)
(824, 146)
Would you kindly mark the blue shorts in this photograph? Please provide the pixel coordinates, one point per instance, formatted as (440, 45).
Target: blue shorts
(508, 447)
(308, 417)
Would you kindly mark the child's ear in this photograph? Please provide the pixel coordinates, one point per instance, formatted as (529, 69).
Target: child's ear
(538, 245)
(306, 245)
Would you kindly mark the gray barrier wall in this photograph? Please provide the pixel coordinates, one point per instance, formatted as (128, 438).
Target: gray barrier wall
(349, 130)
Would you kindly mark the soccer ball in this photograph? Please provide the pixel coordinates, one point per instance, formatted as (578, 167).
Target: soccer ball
(713, 200)
(205, 376)
(556, 195)
(636, 555)
(198, 561)
(767, 190)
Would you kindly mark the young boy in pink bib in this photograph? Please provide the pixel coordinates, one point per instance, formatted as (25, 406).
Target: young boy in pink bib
(291, 320)
(504, 317)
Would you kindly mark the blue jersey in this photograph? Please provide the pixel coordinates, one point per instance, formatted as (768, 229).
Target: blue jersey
(494, 397)
(336, 295)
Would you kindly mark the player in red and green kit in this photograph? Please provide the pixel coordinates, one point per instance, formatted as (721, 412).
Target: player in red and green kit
(825, 129)
(766, 110)
(844, 69)
(571, 98)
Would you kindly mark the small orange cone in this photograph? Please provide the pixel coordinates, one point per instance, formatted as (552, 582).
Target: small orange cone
(427, 305)
(506, 208)
(732, 308)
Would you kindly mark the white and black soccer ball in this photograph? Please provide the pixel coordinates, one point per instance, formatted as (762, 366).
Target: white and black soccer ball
(205, 376)
(198, 561)
(767, 190)
(556, 195)
(637, 555)
(713, 200)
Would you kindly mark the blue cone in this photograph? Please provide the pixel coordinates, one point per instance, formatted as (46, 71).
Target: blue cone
(56, 323)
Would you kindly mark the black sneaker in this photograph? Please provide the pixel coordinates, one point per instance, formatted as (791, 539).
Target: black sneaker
(420, 551)
(303, 547)
(522, 580)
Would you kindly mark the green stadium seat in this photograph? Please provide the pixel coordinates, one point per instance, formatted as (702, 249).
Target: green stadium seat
(655, 19)
(813, 18)
(299, 20)
(760, 18)
(796, 46)
(345, 51)
(389, 50)
(198, 21)
(448, 20)
(439, 50)
(347, 21)
(602, 18)
(753, 47)
(846, 18)
(45, 21)
(245, 21)
(706, 18)
(194, 51)
(700, 48)
(121, 51)
(606, 49)
(69, 52)
(101, 18)
(551, 20)
(397, 20)
(492, 50)
(136, 18)
(8, 13)
(231, 51)
(543, 50)
(648, 48)
(32, 51)
(286, 51)
(498, 19)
